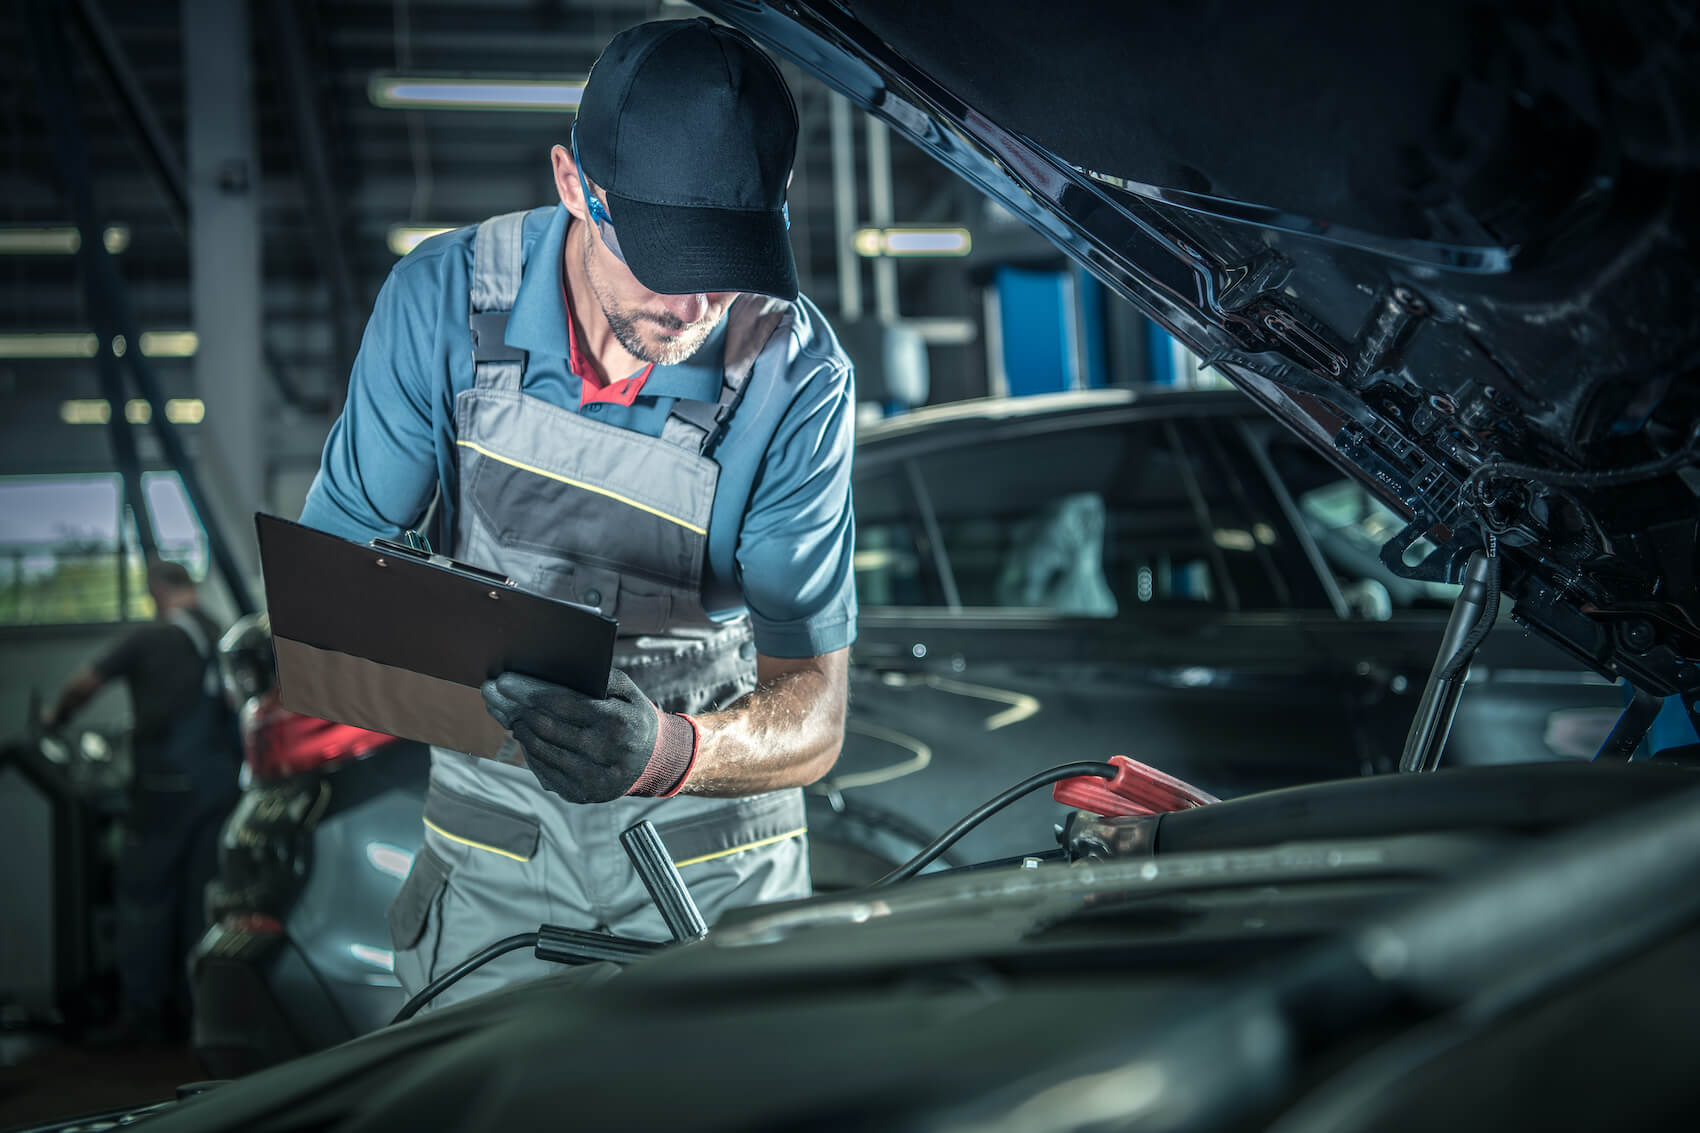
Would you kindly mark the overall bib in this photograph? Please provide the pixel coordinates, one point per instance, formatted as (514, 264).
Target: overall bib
(605, 517)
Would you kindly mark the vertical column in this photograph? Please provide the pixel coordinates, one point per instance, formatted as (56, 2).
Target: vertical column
(224, 263)
(844, 206)
(881, 215)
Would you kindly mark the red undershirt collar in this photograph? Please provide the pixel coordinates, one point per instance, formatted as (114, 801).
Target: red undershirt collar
(592, 388)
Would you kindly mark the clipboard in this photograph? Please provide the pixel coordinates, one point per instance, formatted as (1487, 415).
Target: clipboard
(393, 638)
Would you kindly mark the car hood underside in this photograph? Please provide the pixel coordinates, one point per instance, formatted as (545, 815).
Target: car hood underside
(1451, 246)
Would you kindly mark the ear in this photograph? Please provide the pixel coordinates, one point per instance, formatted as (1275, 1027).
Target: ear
(566, 181)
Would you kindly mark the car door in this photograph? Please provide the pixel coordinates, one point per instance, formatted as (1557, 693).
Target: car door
(1068, 587)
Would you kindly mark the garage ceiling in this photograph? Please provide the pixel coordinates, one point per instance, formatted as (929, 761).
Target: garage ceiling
(388, 167)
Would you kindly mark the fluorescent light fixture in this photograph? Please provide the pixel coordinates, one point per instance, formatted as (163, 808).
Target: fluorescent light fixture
(406, 237)
(80, 344)
(95, 411)
(89, 411)
(944, 331)
(53, 344)
(420, 92)
(170, 343)
(913, 242)
(57, 240)
(185, 411)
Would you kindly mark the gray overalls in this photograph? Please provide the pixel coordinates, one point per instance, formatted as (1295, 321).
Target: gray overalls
(610, 518)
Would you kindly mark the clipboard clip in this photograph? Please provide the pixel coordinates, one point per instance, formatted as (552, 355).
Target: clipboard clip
(415, 546)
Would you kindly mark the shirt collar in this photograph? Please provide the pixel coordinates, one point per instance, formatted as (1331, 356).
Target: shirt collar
(539, 323)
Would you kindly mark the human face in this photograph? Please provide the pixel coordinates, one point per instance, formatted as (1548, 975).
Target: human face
(650, 326)
(664, 329)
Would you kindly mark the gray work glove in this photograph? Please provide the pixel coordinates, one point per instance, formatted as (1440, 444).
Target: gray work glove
(593, 750)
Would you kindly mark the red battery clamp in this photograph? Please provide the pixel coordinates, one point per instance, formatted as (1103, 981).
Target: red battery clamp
(1136, 789)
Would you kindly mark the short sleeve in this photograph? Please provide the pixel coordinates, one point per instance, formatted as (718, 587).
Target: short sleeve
(794, 550)
(379, 465)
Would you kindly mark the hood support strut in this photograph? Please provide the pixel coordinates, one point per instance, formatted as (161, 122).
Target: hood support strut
(1433, 722)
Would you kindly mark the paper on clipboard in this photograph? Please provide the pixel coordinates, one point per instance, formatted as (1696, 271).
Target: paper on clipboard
(398, 641)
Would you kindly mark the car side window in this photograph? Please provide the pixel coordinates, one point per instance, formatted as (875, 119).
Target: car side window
(1078, 522)
(892, 561)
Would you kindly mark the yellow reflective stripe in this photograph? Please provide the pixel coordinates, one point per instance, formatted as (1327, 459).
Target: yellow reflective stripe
(627, 500)
(470, 842)
(741, 849)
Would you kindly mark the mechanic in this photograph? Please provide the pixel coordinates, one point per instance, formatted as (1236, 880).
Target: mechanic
(185, 753)
(622, 401)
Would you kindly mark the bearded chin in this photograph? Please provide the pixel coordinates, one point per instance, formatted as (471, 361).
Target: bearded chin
(667, 353)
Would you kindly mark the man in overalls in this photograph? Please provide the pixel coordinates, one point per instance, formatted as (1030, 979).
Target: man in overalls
(623, 401)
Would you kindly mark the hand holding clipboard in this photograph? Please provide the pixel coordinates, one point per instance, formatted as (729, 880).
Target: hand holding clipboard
(390, 637)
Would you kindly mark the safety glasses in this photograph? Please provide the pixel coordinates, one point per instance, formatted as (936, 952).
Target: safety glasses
(598, 211)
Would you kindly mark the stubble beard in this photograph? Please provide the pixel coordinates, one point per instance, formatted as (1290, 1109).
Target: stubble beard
(628, 325)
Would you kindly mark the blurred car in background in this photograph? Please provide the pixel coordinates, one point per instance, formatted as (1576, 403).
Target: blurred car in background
(1184, 584)
(1168, 575)
(297, 953)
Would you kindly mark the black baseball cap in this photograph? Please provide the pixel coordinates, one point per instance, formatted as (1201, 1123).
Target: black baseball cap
(690, 131)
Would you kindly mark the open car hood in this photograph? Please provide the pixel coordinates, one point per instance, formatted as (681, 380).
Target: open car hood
(1429, 240)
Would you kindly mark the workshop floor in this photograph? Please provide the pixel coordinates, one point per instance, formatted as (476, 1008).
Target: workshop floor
(63, 1081)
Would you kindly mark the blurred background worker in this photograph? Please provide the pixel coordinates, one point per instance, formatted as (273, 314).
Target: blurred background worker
(185, 752)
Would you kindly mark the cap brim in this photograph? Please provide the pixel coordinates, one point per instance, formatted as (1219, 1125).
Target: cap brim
(678, 250)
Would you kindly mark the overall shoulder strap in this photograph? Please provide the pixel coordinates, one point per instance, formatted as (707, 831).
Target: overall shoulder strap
(497, 259)
(750, 325)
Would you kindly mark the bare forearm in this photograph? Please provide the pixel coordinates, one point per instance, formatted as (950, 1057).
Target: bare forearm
(787, 733)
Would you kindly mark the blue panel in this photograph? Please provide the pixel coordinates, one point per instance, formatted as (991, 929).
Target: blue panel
(1034, 310)
(1671, 728)
(1159, 357)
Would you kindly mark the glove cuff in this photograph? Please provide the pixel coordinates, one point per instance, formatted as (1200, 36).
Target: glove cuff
(675, 756)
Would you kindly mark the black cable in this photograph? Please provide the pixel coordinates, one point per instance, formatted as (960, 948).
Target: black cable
(985, 810)
(466, 967)
(1687, 454)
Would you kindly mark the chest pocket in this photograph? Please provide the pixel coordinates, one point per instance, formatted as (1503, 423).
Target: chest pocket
(640, 608)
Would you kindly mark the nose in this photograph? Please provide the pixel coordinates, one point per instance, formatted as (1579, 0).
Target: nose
(686, 308)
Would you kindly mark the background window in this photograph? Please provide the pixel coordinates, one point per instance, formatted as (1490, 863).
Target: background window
(892, 559)
(1091, 522)
(69, 553)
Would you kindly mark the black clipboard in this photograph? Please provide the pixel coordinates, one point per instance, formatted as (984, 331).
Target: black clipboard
(390, 637)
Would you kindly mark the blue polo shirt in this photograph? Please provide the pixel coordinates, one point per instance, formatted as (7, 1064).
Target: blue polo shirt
(781, 533)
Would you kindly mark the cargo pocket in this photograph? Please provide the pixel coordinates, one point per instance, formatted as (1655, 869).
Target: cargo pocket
(742, 825)
(481, 825)
(409, 915)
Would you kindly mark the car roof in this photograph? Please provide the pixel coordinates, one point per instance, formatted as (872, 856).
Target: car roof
(1087, 402)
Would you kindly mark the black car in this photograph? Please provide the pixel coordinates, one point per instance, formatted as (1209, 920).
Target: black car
(1448, 245)
(1160, 594)
(1167, 575)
